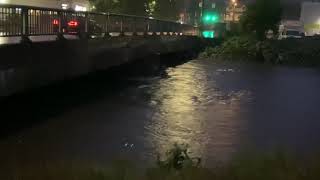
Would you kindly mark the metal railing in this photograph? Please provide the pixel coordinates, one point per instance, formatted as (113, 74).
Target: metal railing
(28, 21)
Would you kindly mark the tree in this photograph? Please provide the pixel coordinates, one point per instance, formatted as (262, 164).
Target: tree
(261, 16)
(132, 7)
(151, 7)
(106, 5)
(168, 9)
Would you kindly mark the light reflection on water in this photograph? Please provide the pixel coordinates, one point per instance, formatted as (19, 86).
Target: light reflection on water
(190, 109)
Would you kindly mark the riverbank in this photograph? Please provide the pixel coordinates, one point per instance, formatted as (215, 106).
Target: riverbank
(298, 52)
(178, 165)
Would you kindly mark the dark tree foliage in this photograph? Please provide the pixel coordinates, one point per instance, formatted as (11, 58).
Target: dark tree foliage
(163, 9)
(133, 7)
(106, 5)
(168, 9)
(261, 16)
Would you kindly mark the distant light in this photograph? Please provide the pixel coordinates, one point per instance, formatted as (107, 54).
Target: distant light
(64, 6)
(4, 1)
(151, 17)
(55, 22)
(208, 34)
(80, 8)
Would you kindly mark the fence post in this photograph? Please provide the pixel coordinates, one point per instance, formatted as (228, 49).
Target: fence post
(147, 27)
(86, 26)
(134, 27)
(107, 25)
(161, 27)
(121, 26)
(155, 28)
(176, 29)
(168, 28)
(25, 25)
(60, 33)
(171, 29)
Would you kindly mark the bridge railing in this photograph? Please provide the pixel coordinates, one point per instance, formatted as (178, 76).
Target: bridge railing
(28, 21)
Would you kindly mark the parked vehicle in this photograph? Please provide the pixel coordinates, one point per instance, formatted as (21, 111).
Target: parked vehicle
(77, 27)
(291, 33)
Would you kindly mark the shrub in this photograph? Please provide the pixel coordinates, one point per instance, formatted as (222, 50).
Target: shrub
(234, 46)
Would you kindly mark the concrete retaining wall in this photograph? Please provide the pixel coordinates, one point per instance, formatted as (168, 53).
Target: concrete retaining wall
(25, 66)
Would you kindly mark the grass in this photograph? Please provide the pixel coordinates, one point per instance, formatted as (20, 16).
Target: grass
(178, 165)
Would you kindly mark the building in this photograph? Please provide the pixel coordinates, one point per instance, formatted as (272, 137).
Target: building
(36, 3)
(234, 11)
(310, 18)
(78, 5)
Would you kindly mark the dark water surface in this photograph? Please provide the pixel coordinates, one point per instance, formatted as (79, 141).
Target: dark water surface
(216, 108)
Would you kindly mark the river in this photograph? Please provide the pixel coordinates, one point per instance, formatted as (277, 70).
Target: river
(218, 108)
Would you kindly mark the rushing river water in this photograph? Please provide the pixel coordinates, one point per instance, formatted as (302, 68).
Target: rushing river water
(217, 108)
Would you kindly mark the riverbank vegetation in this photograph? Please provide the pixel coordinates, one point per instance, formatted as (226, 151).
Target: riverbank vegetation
(178, 165)
(300, 52)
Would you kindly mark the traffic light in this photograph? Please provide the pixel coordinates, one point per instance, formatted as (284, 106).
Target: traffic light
(208, 34)
(210, 18)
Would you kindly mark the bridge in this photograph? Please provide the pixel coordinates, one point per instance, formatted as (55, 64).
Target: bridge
(25, 22)
(39, 46)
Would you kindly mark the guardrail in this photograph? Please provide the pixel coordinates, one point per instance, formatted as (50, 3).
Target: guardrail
(28, 21)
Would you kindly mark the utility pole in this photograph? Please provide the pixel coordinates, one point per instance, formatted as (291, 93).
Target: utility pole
(202, 9)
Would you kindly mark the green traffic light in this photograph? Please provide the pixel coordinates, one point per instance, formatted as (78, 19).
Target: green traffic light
(208, 34)
(210, 18)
